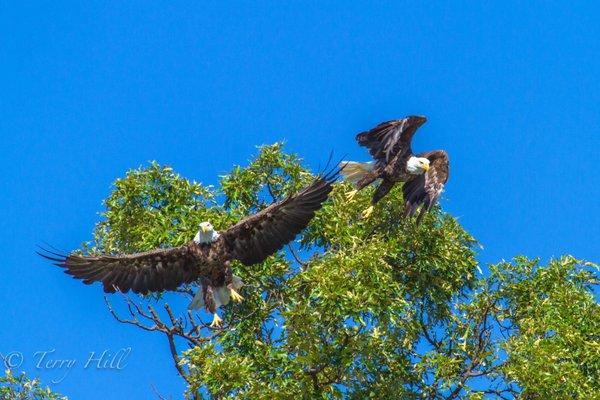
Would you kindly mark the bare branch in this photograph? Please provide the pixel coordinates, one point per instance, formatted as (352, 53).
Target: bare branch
(483, 335)
(303, 264)
(431, 340)
(173, 327)
(176, 359)
(156, 392)
(134, 321)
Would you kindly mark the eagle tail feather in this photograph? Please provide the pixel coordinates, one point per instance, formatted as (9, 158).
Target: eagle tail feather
(221, 295)
(198, 300)
(354, 171)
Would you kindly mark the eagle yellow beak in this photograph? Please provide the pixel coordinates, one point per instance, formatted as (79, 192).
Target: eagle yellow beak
(426, 167)
(203, 228)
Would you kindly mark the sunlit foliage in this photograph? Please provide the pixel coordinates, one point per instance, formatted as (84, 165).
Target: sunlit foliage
(378, 308)
(19, 387)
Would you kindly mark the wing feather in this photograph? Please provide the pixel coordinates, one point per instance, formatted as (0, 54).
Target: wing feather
(390, 138)
(156, 270)
(258, 236)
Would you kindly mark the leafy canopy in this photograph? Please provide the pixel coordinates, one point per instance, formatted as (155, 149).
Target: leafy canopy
(356, 309)
(19, 387)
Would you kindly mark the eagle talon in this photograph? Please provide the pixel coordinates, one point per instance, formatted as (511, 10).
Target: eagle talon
(217, 321)
(351, 194)
(367, 213)
(235, 296)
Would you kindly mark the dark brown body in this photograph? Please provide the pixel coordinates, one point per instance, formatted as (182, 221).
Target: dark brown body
(215, 268)
(389, 174)
(213, 259)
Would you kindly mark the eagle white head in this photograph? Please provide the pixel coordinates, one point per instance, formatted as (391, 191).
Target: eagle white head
(206, 233)
(417, 165)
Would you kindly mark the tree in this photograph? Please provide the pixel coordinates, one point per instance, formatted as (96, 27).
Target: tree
(19, 387)
(378, 308)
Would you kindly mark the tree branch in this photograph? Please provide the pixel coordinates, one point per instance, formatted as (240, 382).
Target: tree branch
(174, 327)
(303, 264)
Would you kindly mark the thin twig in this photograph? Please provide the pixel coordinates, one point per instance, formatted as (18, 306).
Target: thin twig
(155, 390)
(303, 264)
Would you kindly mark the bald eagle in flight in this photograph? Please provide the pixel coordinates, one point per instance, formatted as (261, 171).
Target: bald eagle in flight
(424, 175)
(207, 258)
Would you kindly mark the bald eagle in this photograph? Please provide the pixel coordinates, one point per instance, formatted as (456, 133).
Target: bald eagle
(207, 258)
(424, 175)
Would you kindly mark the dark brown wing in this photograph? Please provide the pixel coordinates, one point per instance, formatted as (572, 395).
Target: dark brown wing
(426, 189)
(258, 236)
(390, 138)
(151, 271)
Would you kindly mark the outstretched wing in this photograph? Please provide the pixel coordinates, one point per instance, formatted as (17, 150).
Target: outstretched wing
(390, 138)
(426, 189)
(258, 236)
(151, 271)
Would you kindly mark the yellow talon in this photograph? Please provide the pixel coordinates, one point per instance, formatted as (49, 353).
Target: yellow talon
(216, 322)
(350, 195)
(235, 296)
(367, 213)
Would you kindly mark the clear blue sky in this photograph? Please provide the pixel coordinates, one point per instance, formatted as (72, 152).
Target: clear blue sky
(90, 90)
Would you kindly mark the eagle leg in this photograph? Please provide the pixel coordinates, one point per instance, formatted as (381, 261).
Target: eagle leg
(365, 181)
(231, 284)
(368, 179)
(209, 302)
